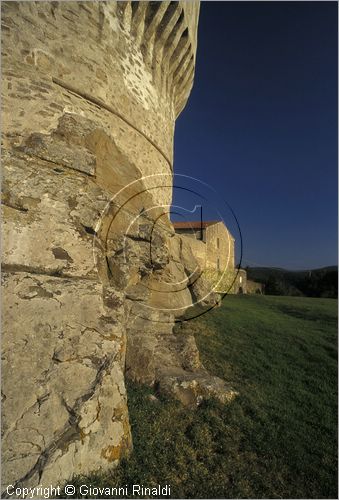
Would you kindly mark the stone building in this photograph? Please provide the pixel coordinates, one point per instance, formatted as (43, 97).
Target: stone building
(240, 284)
(96, 284)
(211, 241)
(212, 245)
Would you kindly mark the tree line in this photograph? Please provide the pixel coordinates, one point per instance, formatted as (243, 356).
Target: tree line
(314, 283)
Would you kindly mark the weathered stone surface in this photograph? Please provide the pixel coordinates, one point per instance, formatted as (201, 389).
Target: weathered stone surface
(63, 349)
(56, 151)
(161, 352)
(192, 388)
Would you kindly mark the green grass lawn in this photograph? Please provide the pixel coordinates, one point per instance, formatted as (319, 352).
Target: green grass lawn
(278, 438)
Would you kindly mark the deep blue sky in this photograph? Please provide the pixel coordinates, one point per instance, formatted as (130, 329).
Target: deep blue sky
(261, 127)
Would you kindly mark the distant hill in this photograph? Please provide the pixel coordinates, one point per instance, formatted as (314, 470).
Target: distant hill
(321, 282)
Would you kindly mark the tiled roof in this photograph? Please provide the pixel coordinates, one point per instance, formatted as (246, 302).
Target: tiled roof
(193, 224)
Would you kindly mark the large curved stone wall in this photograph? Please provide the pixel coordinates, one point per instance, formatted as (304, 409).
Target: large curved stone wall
(91, 91)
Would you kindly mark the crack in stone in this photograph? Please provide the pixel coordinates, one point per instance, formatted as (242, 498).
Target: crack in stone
(59, 164)
(14, 207)
(69, 434)
(15, 424)
(22, 268)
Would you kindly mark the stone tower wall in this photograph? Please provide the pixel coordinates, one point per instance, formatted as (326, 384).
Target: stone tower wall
(91, 91)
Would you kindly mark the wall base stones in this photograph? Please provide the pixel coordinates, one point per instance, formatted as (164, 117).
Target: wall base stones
(161, 348)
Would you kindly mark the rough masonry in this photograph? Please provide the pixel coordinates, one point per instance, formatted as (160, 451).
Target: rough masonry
(96, 284)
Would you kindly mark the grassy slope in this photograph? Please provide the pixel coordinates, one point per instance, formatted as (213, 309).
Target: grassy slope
(278, 438)
(280, 353)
